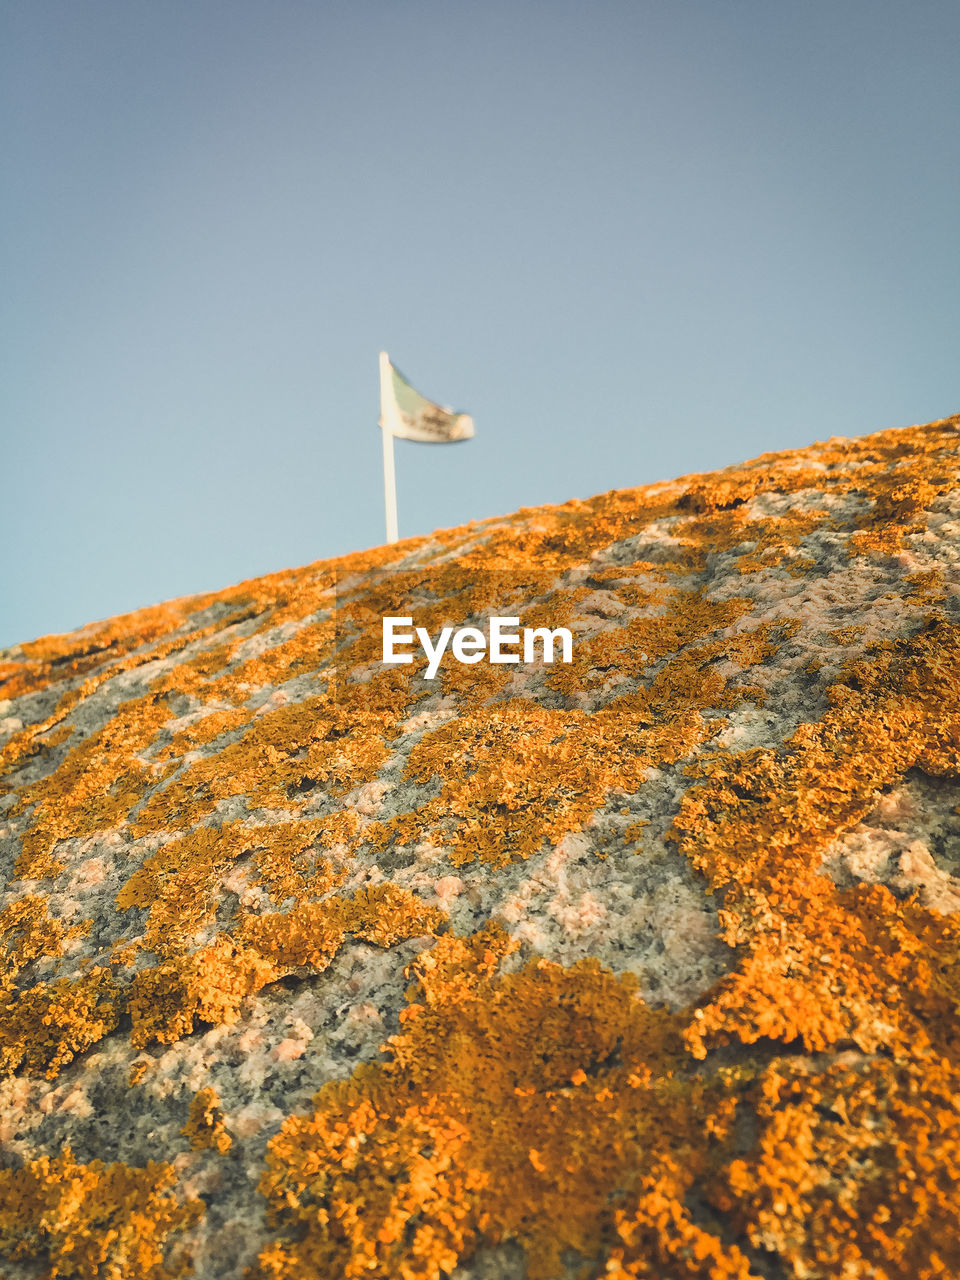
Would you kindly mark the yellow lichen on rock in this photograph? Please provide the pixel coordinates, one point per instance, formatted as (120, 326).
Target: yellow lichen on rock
(206, 1125)
(93, 789)
(500, 1094)
(166, 1001)
(43, 1027)
(93, 1221)
(179, 884)
(682, 1005)
(757, 825)
(28, 933)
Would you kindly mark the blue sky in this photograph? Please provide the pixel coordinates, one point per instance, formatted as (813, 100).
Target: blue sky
(632, 239)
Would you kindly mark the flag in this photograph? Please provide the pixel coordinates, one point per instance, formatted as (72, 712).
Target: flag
(407, 414)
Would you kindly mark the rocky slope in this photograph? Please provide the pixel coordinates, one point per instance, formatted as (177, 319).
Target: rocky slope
(644, 966)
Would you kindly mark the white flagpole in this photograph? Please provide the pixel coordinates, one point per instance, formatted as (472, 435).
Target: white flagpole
(386, 428)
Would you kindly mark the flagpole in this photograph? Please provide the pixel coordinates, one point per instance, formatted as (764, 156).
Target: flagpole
(389, 473)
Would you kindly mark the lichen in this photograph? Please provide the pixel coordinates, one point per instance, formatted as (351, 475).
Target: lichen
(818, 963)
(501, 1092)
(45, 1026)
(219, 793)
(28, 933)
(167, 1000)
(93, 1221)
(206, 1125)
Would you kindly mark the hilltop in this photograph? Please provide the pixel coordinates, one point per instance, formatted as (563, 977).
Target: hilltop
(643, 965)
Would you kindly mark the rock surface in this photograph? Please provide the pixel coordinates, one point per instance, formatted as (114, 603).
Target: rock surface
(647, 965)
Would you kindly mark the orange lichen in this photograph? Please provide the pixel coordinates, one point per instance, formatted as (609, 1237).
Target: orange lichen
(167, 1001)
(500, 1093)
(552, 1107)
(210, 985)
(309, 650)
(383, 914)
(206, 1124)
(138, 1069)
(206, 729)
(45, 1026)
(179, 883)
(758, 823)
(855, 1169)
(806, 1107)
(28, 933)
(900, 494)
(677, 620)
(285, 750)
(496, 813)
(533, 774)
(93, 1221)
(927, 585)
(93, 789)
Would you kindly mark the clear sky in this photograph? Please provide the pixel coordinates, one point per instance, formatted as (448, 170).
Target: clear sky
(632, 238)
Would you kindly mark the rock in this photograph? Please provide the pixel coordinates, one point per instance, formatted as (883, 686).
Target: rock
(643, 965)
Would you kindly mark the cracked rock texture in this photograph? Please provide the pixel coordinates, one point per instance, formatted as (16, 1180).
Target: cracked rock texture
(646, 965)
